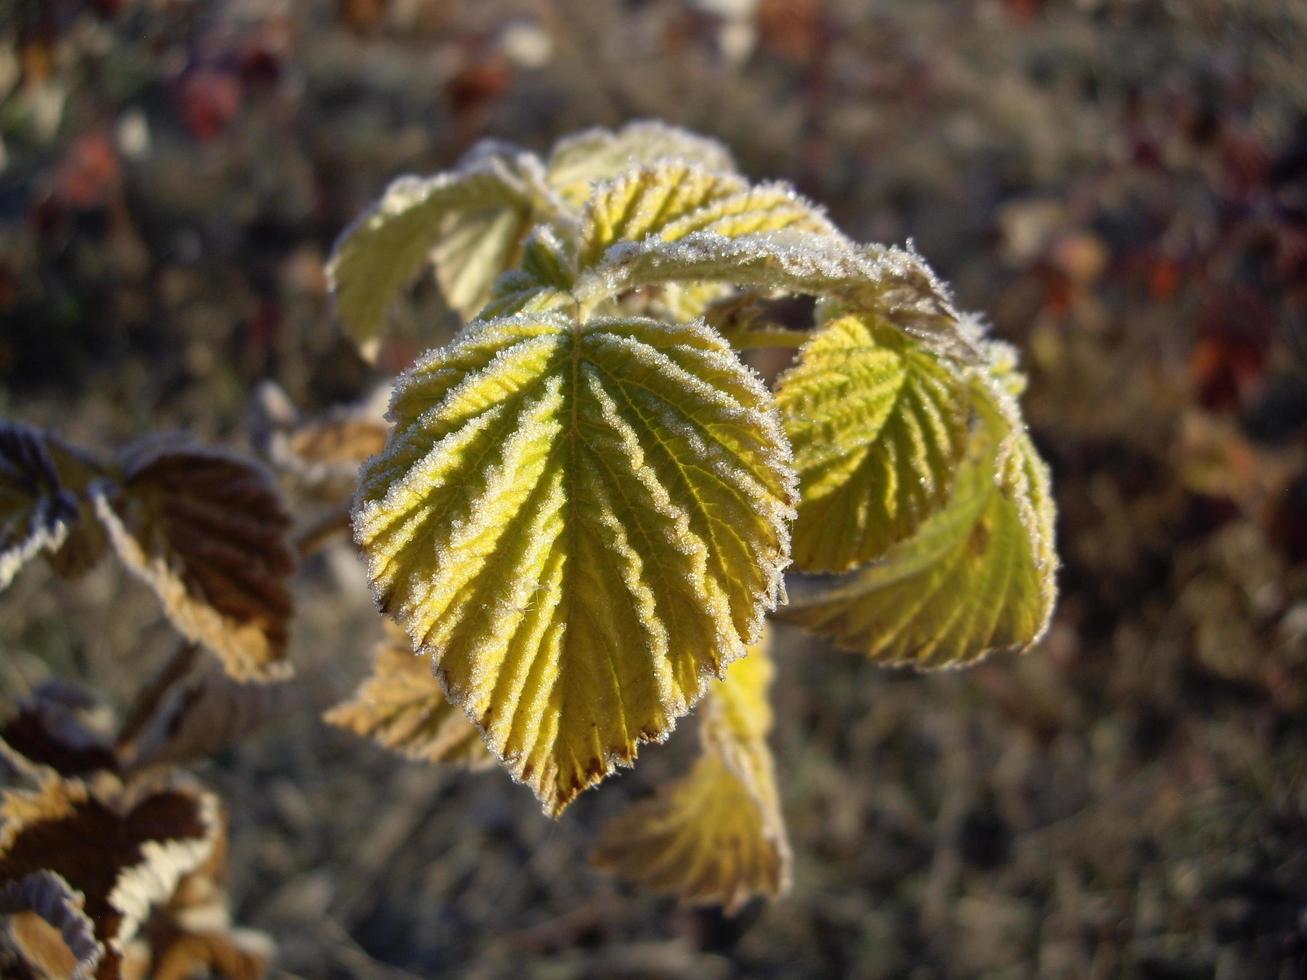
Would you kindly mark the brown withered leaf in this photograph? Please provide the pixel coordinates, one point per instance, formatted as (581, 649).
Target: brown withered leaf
(400, 704)
(202, 713)
(192, 934)
(321, 454)
(123, 850)
(58, 727)
(36, 512)
(207, 532)
(47, 929)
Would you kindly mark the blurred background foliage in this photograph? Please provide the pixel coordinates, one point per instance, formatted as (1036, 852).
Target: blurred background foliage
(1121, 185)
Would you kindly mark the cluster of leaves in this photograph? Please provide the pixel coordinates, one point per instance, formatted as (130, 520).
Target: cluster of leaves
(587, 501)
(109, 865)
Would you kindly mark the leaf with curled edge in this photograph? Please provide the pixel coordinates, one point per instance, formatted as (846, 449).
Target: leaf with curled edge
(205, 530)
(578, 162)
(468, 222)
(717, 835)
(43, 506)
(321, 455)
(401, 706)
(978, 576)
(893, 284)
(878, 425)
(580, 521)
(48, 932)
(123, 850)
(192, 933)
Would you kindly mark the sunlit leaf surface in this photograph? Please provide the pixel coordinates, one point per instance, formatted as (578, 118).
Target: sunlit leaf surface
(878, 427)
(976, 577)
(580, 522)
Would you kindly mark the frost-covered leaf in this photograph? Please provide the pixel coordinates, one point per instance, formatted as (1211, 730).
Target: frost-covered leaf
(580, 521)
(578, 162)
(123, 851)
(206, 531)
(469, 222)
(47, 928)
(402, 706)
(670, 200)
(977, 576)
(717, 835)
(42, 507)
(879, 426)
(892, 284)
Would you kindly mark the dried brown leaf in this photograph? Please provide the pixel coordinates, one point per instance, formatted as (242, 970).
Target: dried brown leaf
(402, 706)
(206, 531)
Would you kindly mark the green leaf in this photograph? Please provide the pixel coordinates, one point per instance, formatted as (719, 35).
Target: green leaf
(893, 284)
(879, 426)
(717, 835)
(579, 161)
(469, 222)
(978, 576)
(580, 521)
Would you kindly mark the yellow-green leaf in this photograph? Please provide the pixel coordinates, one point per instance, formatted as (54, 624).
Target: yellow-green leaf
(878, 425)
(469, 222)
(675, 198)
(402, 706)
(715, 836)
(977, 576)
(579, 161)
(580, 522)
(205, 531)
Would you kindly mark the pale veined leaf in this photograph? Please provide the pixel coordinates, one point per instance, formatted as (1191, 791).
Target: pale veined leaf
(879, 426)
(580, 161)
(893, 284)
(122, 851)
(469, 222)
(401, 705)
(580, 521)
(717, 835)
(670, 200)
(978, 576)
(42, 503)
(205, 531)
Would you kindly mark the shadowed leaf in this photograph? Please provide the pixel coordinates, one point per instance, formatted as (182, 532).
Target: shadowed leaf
(715, 836)
(402, 706)
(205, 530)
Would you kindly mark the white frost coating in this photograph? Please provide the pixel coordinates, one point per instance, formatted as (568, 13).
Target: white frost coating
(890, 282)
(596, 154)
(155, 878)
(44, 533)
